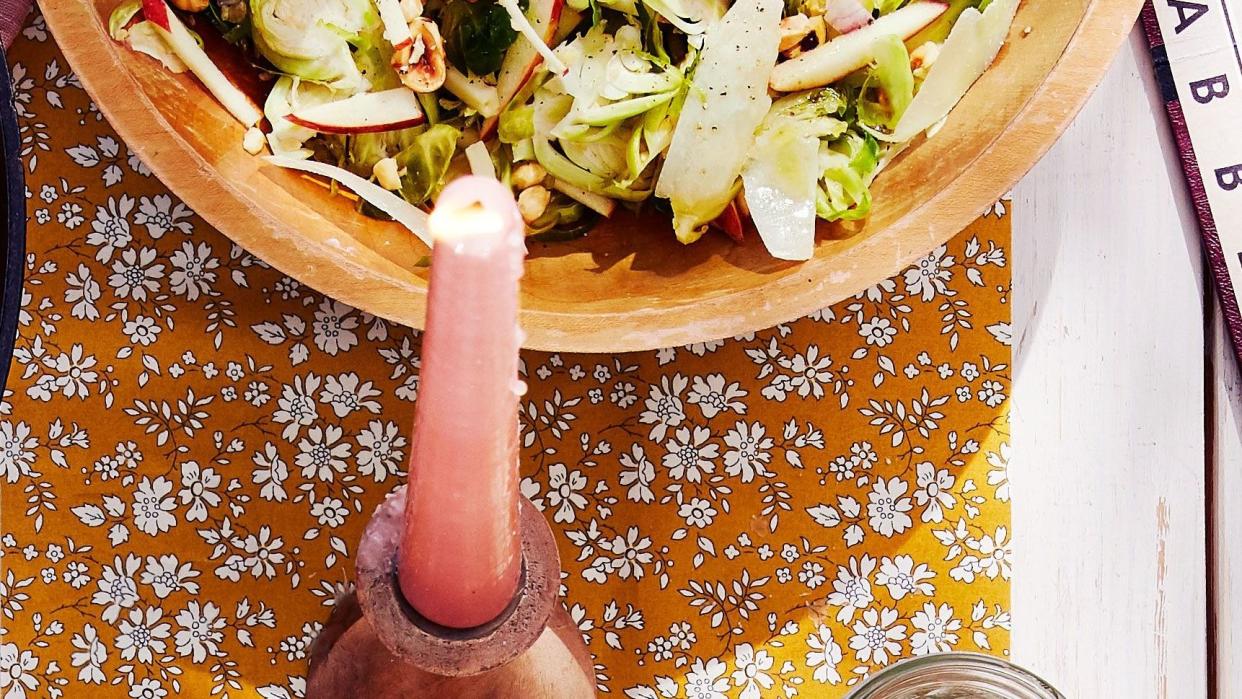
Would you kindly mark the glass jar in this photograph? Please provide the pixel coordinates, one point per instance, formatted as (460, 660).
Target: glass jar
(954, 676)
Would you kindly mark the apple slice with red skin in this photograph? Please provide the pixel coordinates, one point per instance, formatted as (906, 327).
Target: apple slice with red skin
(196, 59)
(156, 11)
(730, 222)
(523, 59)
(837, 58)
(367, 112)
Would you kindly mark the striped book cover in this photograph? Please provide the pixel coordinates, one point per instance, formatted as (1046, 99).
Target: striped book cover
(1194, 45)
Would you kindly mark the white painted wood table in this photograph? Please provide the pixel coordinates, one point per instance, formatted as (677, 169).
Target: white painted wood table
(1122, 416)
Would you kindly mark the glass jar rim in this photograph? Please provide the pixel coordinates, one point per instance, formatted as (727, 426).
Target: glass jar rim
(973, 670)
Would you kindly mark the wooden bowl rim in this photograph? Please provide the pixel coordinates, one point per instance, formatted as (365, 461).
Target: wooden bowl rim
(1036, 126)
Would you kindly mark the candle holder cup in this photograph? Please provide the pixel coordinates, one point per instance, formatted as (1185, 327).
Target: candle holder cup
(377, 645)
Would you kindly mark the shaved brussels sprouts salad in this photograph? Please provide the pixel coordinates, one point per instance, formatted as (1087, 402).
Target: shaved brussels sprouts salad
(739, 115)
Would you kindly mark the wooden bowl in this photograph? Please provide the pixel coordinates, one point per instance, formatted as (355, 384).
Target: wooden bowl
(628, 285)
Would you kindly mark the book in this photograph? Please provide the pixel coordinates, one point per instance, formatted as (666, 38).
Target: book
(1198, 65)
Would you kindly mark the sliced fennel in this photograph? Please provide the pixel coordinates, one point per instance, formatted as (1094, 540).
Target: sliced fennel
(780, 177)
(779, 181)
(480, 160)
(972, 45)
(402, 211)
(601, 124)
(726, 101)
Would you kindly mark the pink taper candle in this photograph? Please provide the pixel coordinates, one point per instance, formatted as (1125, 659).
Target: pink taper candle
(460, 558)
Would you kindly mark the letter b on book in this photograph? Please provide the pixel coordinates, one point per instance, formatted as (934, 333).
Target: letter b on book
(1207, 89)
(1229, 177)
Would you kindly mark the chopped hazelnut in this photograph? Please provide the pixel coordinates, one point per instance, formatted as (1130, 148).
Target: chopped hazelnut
(532, 202)
(922, 58)
(191, 5)
(528, 174)
(254, 140)
(387, 174)
(793, 30)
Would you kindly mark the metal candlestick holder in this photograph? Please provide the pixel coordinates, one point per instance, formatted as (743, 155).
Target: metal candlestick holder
(377, 645)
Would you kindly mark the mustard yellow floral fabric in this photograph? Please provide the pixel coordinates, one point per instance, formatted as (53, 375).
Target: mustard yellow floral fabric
(191, 443)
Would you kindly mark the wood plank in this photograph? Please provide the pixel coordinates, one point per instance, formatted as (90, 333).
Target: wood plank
(1108, 479)
(1226, 453)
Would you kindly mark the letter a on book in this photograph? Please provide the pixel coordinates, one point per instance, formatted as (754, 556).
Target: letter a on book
(1187, 12)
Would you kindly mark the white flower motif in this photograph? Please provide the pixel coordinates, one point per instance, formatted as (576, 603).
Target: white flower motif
(902, 577)
(198, 490)
(110, 228)
(321, 455)
(690, 455)
(153, 507)
(824, 656)
(752, 671)
(664, 408)
(934, 491)
(998, 475)
(992, 393)
(70, 216)
(697, 512)
(851, 591)
(270, 473)
(263, 553)
(201, 631)
(887, 507)
(994, 554)
(334, 327)
(811, 574)
(565, 492)
(117, 589)
(133, 276)
(748, 453)
(681, 635)
(160, 215)
(707, 680)
(148, 688)
(83, 292)
(17, 671)
(930, 275)
(630, 553)
(638, 475)
(809, 372)
(714, 395)
(142, 330)
(142, 635)
(193, 270)
(296, 407)
(89, 656)
(935, 629)
(167, 575)
(877, 637)
(329, 512)
(75, 370)
(16, 450)
(346, 393)
(379, 450)
(878, 331)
